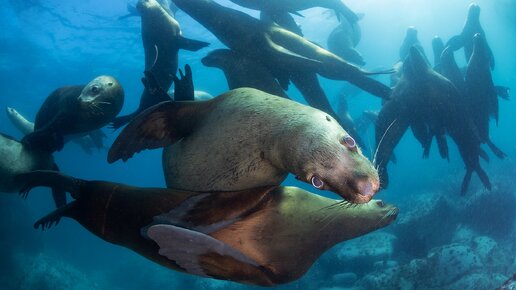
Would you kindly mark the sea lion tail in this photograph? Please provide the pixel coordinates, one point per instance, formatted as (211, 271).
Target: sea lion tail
(191, 44)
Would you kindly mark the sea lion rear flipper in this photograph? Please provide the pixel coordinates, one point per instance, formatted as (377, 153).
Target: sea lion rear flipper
(465, 181)
(48, 178)
(183, 87)
(53, 218)
(497, 151)
(503, 92)
(158, 126)
(191, 44)
(98, 137)
(187, 248)
(442, 145)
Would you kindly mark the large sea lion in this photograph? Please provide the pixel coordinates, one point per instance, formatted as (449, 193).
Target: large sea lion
(277, 48)
(162, 39)
(465, 39)
(15, 158)
(431, 105)
(481, 93)
(247, 138)
(262, 236)
(242, 71)
(293, 6)
(75, 110)
(93, 140)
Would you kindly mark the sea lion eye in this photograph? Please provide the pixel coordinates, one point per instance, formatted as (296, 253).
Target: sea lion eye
(95, 89)
(349, 142)
(317, 182)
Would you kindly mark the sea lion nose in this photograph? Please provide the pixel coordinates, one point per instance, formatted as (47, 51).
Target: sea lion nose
(366, 188)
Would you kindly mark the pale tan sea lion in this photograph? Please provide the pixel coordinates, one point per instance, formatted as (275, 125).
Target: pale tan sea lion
(247, 138)
(263, 236)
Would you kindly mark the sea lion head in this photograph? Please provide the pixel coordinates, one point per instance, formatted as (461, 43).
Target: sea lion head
(102, 98)
(415, 64)
(473, 12)
(217, 58)
(143, 5)
(331, 160)
(411, 33)
(480, 45)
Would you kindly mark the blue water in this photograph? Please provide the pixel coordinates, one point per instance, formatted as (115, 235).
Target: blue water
(48, 44)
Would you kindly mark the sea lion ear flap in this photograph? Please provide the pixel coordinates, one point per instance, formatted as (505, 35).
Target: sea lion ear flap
(188, 248)
(158, 126)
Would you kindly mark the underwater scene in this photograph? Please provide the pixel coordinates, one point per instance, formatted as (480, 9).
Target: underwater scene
(254, 144)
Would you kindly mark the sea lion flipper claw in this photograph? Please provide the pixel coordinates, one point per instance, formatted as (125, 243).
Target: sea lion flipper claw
(188, 248)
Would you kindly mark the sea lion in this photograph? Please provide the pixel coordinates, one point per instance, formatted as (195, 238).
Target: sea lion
(75, 110)
(162, 39)
(87, 142)
(277, 48)
(283, 19)
(293, 6)
(242, 71)
(437, 48)
(409, 41)
(465, 39)
(15, 158)
(481, 92)
(431, 105)
(247, 138)
(262, 236)
(167, 5)
(342, 41)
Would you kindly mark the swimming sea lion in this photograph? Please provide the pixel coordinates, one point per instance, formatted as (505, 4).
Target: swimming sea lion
(262, 236)
(481, 92)
(281, 18)
(162, 39)
(431, 105)
(247, 138)
(342, 41)
(74, 110)
(242, 71)
(15, 158)
(293, 6)
(87, 142)
(277, 48)
(437, 48)
(465, 39)
(409, 41)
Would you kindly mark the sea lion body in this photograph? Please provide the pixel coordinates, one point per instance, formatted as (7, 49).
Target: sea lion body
(247, 138)
(293, 6)
(275, 46)
(75, 110)
(15, 159)
(87, 142)
(263, 236)
(241, 71)
(343, 40)
(162, 39)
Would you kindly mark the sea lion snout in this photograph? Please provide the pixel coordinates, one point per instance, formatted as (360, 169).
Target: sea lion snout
(368, 187)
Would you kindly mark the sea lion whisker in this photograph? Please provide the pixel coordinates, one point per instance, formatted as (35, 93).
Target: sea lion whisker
(381, 139)
(156, 58)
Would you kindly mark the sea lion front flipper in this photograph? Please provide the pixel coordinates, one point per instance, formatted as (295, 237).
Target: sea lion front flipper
(209, 212)
(186, 248)
(455, 43)
(48, 178)
(158, 126)
(54, 217)
(496, 151)
(191, 44)
(503, 92)
(183, 87)
(58, 194)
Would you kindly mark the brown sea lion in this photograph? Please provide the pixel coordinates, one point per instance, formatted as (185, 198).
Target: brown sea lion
(162, 39)
(241, 71)
(277, 48)
(75, 110)
(465, 39)
(88, 142)
(247, 138)
(431, 105)
(15, 158)
(293, 6)
(262, 236)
